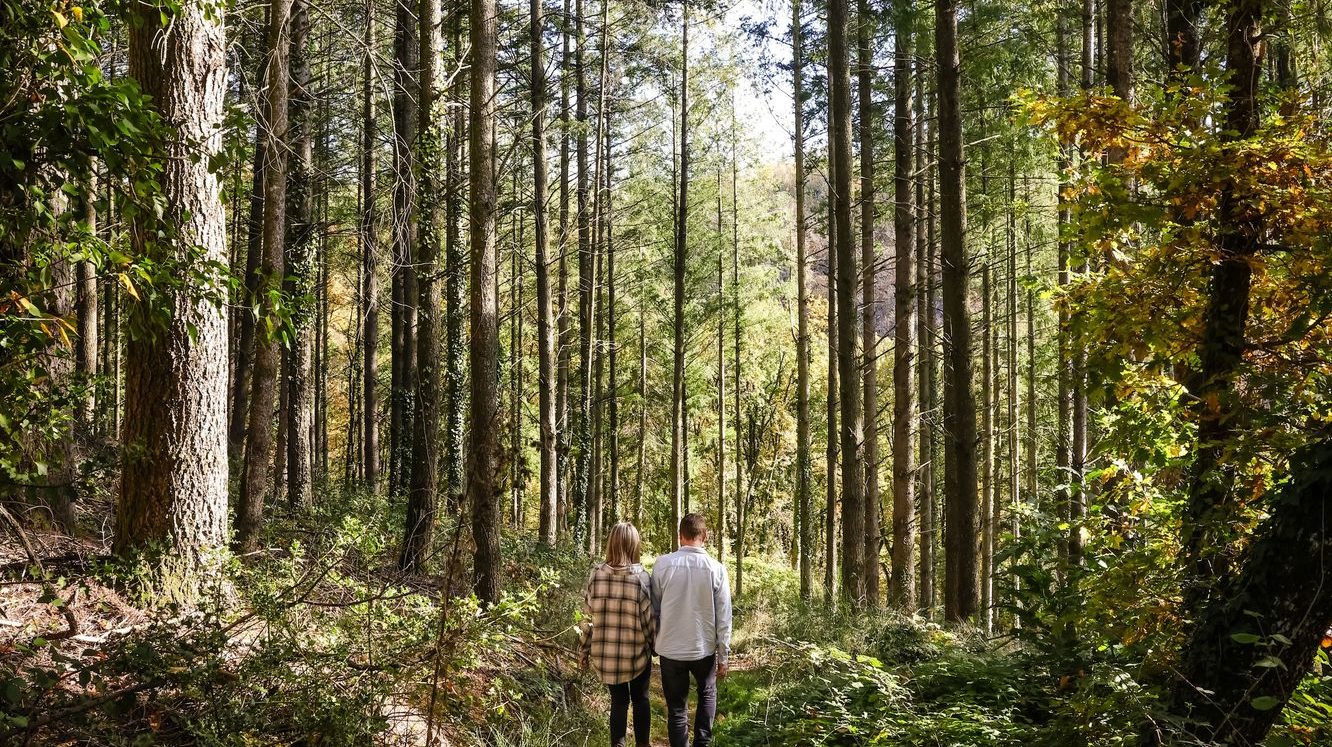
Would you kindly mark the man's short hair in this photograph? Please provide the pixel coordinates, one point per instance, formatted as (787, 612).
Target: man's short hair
(693, 526)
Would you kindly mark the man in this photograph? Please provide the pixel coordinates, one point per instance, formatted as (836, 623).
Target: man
(693, 601)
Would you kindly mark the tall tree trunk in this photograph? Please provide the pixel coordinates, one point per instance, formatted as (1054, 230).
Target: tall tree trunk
(1256, 641)
(518, 471)
(849, 362)
(988, 490)
(612, 347)
(563, 344)
(641, 456)
(455, 258)
(173, 488)
(423, 493)
(1032, 443)
(247, 324)
(548, 522)
(737, 312)
(961, 499)
(721, 385)
(803, 468)
(1011, 420)
(830, 444)
(582, 416)
(1220, 351)
(1183, 46)
(927, 331)
(267, 356)
(1119, 52)
(678, 491)
(902, 581)
(85, 307)
(1063, 373)
(369, 259)
(300, 269)
(407, 54)
(869, 330)
(483, 456)
(596, 475)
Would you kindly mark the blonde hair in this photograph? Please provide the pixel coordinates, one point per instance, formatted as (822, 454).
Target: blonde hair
(623, 546)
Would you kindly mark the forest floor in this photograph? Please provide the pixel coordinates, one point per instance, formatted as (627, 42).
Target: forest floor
(318, 641)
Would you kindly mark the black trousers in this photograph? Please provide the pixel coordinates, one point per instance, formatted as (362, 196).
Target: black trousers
(675, 677)
(633, 692)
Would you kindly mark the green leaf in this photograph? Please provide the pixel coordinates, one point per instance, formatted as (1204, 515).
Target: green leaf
(1264, 703)
(1245, 639)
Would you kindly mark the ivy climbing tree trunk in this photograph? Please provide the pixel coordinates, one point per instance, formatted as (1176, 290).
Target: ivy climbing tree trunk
(299, 282)
(407, 52)
(1256, 640)
(423, 493)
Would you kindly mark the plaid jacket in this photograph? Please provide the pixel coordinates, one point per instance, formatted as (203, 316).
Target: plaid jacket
(618, 627)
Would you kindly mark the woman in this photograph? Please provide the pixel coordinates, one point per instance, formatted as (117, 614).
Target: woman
(618, 630)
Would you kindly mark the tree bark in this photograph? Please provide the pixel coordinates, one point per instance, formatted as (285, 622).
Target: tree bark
(830, 447)
(868, 310)
(988, 490)
(678, 425)
(612, 346)
(961, 498)
(1207, 516)
(563, 344)
(423, 494)
(902, 581)
(548, 522)
(1256, 640)
(803, 467)
(483, 456)
(369, 259)
(267, 356)
(849, 361)
(721, 387)
(927, 331)
(173, 490)
(85, 307)
(300, 270)
(407, 52)
(455, 258)
(582, 415)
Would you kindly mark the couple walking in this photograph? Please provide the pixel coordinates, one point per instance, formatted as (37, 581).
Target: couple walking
(682, 611)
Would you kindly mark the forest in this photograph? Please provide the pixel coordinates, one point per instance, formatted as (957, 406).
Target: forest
(992, 340)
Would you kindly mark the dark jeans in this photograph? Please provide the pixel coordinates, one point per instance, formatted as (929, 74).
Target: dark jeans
(634, 691)
(675, 685)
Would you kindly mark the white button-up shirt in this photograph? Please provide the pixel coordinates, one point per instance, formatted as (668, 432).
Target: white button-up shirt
(693, 601)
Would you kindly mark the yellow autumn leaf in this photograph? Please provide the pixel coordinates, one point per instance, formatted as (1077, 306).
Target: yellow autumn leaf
(129, 286)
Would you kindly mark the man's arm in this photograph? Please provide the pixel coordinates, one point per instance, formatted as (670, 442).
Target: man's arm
(658, 573)
(721, 603)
